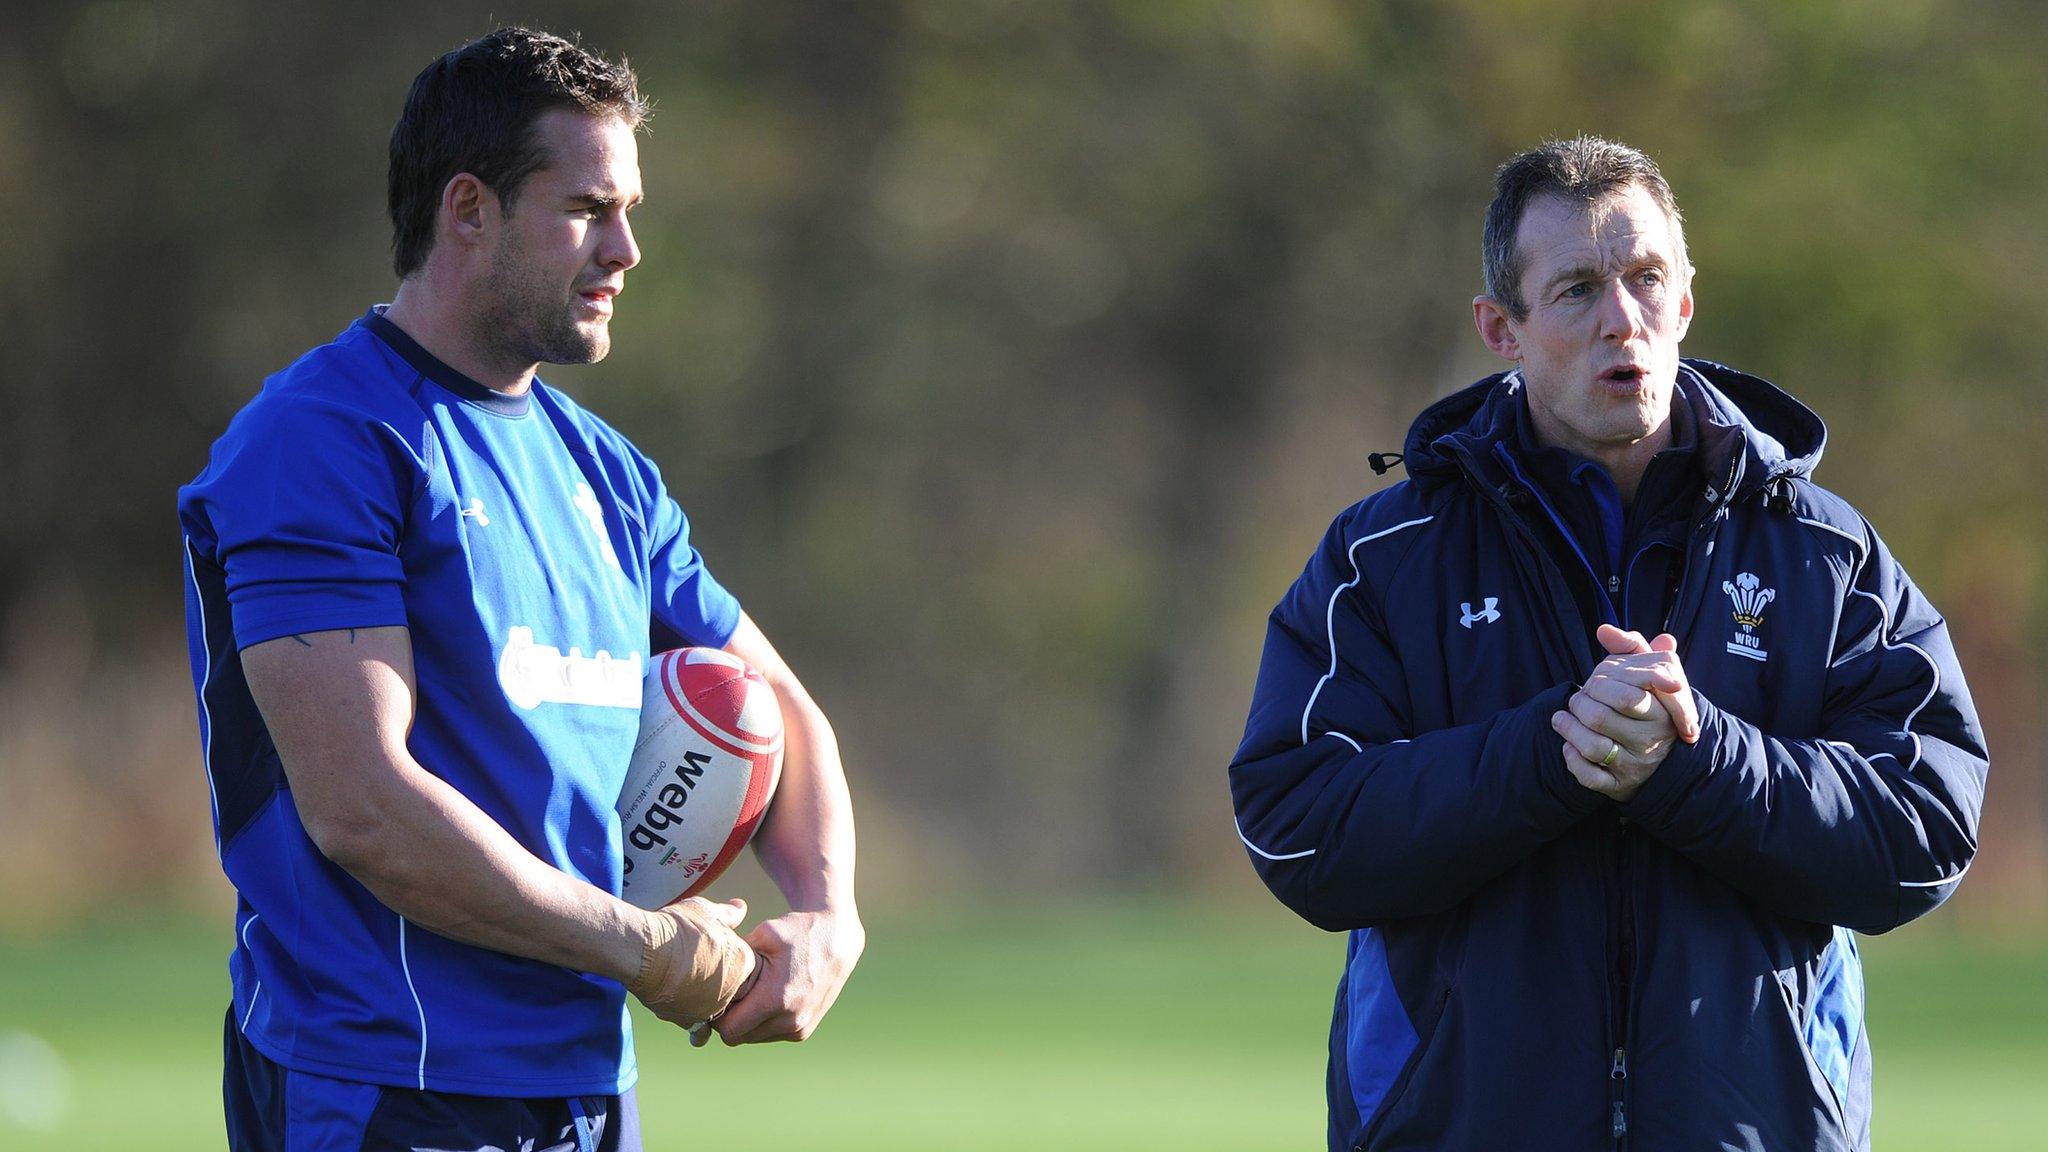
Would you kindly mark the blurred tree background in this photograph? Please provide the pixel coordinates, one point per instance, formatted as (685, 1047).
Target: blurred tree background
(1008, 355)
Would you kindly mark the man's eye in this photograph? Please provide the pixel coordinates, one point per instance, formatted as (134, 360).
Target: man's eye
(1653, 277)
(1577, 291)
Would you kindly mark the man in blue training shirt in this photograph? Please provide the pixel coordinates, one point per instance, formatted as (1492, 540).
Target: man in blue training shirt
(421, 591)
(1602, 890)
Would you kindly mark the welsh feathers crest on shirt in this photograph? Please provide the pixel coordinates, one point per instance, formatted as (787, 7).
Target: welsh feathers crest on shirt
(1750, 598)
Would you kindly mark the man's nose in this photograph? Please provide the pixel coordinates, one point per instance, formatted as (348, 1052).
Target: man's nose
(620, 251)
(1621, 317)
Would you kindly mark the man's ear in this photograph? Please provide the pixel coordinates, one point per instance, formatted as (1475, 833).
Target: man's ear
(1496, 328)
(1685, 305)
(469, 210)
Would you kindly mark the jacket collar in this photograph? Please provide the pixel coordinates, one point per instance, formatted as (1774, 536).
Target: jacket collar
(1751, 434)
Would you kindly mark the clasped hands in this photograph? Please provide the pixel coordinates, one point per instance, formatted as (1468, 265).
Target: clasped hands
(693, 964)
(775, 983)
(1630, 713)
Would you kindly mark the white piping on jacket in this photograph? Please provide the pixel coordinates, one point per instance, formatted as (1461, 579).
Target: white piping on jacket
(1884, 615)
(1330, 614)
(1261, 851)
(1330, 623)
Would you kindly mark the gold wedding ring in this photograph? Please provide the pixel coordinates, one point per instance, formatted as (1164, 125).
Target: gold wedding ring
(1613, 754)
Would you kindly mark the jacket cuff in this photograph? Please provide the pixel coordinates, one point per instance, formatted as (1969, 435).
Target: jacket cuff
(1685, 767)
(1548, 748)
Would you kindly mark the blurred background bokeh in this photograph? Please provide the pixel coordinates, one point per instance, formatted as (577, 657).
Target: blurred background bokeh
(1009, 357)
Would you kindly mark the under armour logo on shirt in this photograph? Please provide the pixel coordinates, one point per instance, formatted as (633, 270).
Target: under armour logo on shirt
(1485, 615)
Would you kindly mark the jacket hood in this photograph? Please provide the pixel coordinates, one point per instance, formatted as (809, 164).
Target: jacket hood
(1752, 433)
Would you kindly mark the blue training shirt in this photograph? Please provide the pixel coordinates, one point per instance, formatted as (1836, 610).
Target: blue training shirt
(530, 549)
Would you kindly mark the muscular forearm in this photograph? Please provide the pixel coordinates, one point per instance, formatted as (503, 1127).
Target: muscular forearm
(806, 843)
(425, 851)
(807, 848)
(440, 862)
(339, 707)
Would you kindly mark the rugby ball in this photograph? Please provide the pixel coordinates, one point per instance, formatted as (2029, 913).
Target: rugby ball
(703, 771)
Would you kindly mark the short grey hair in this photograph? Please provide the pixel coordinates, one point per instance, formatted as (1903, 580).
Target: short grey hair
(1581, 171)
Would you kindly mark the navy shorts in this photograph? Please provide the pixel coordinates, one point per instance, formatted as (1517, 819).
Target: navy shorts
(271, 1108)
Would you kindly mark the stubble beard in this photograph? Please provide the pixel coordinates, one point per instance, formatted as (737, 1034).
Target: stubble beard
(530, 321)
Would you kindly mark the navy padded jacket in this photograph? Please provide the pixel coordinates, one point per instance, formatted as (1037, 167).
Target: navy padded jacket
(1531, 965)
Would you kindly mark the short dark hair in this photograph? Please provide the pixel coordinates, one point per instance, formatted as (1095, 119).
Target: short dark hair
(1580, 170)
(473, 111)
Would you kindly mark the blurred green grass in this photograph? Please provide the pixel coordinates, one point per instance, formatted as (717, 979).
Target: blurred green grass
(1099, 1025)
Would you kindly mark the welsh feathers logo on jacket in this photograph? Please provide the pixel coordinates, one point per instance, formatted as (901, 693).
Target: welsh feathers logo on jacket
(1750, 598)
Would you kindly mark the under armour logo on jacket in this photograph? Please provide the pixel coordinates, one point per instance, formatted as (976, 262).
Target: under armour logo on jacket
(1485, 615)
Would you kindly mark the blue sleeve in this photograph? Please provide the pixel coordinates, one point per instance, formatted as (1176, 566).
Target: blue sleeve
(686, 598)
(303, 506)
(1871, 823)
(1351, 816)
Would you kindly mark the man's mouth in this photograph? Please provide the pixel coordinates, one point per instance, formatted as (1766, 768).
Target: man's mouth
(1623, 380)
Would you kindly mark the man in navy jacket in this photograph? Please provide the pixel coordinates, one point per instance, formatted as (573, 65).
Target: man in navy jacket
(1605, 731)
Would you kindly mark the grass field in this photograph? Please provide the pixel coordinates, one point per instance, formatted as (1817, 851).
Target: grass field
(1109, 1026)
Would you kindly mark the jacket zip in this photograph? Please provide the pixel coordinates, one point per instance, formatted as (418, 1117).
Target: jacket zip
(1719, 500)
(1620, 584)
(1624, 976)
(1623, 971)
(1625, 916)
(1619, 1075)
(1681, 604)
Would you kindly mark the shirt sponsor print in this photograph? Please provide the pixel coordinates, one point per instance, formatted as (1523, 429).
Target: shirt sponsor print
(534, 674)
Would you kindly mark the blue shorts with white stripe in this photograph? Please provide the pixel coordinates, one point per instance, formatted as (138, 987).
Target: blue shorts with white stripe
(271, 1108)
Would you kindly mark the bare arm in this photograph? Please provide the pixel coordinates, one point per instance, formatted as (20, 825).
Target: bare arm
(806, 847)
(339, 706)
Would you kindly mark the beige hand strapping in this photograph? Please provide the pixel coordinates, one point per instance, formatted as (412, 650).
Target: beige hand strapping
(691, 963)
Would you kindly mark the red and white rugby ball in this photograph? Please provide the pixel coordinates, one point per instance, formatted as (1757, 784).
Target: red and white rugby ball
(703, 771)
